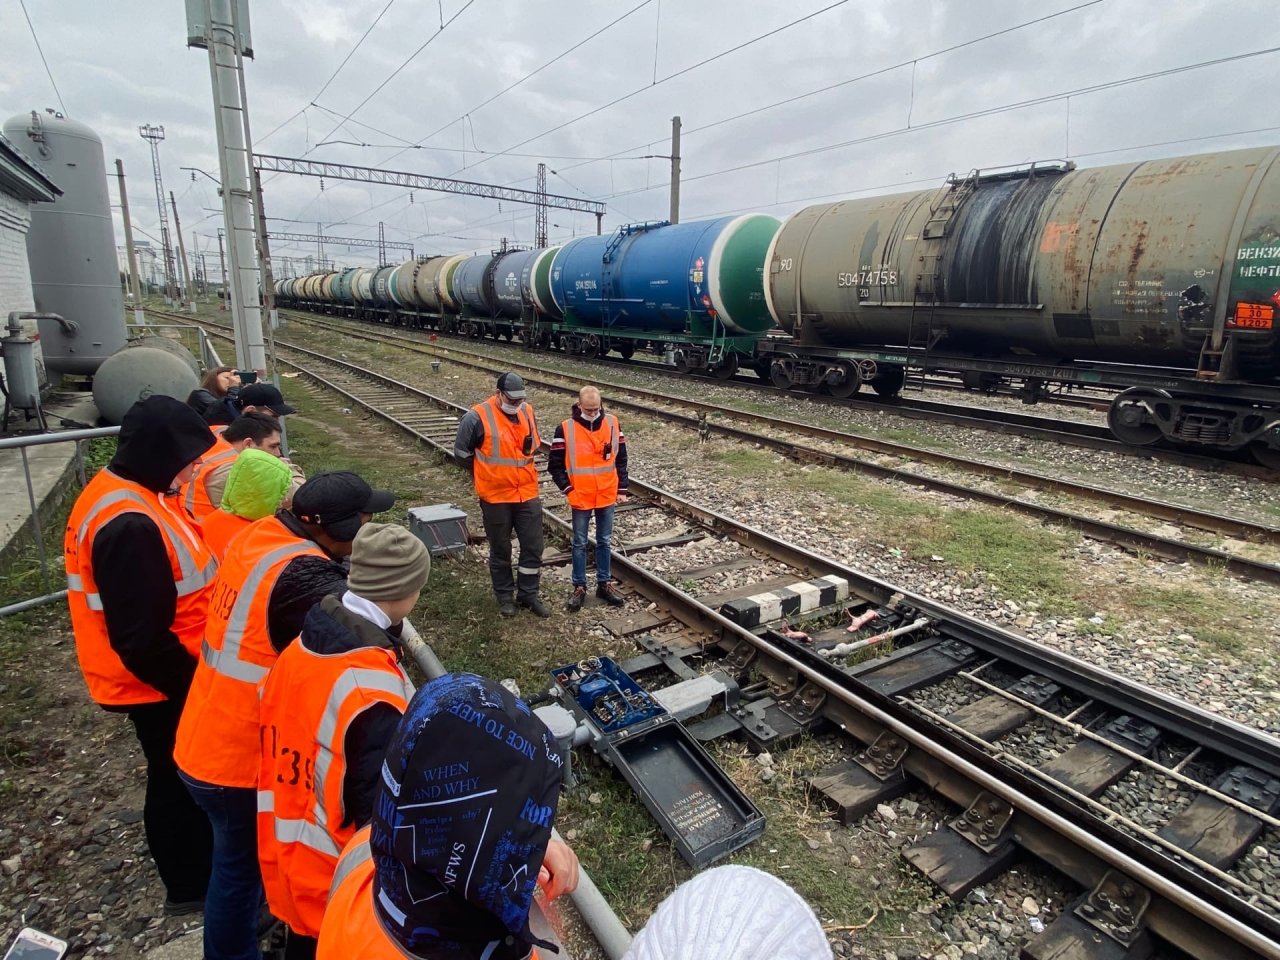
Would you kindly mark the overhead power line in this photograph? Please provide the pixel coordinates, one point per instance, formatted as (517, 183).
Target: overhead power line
(671, 76)
(958, 118)
(40, 50)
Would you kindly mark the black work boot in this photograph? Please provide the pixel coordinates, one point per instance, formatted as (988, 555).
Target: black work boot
(610, 594)
(536, 607)
(506, 607)
(577, 598)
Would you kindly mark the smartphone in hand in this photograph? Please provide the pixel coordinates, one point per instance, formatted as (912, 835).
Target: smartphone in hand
(34, 945)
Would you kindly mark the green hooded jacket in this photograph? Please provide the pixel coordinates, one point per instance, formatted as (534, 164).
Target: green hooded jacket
(256, 485)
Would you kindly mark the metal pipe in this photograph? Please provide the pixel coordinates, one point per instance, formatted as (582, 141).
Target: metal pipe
(22, 605)
(39, 439)
(587, 898)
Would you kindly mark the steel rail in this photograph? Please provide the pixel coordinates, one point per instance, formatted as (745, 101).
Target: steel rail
(1176, 513)
(1125, 537)
(1195, 918)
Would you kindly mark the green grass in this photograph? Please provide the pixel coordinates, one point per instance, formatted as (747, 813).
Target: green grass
(745, 463)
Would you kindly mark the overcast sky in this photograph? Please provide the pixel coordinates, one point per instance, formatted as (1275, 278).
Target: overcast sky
(901, 117)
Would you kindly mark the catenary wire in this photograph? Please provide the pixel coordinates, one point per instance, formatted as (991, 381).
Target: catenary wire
(40, 50)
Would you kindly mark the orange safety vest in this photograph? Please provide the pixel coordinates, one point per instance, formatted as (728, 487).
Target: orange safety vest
(106, 497)
(218, 733)
(309, 701)
(352, 929)
(504, 473)
(219, 528)
(594, 478)
(195, 495)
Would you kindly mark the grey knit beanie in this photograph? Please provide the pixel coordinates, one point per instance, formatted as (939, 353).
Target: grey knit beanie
(732, 913)
(387, 563)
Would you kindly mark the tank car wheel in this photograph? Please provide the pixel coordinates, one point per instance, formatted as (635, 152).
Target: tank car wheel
(1130, 420)
(1266, 454)
(680, 362)
(728, 367)
(780, 375)
(627, 349)
(889, 381)
(849, 377)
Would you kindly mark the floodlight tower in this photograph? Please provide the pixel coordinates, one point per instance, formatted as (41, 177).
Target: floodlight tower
(155, 134)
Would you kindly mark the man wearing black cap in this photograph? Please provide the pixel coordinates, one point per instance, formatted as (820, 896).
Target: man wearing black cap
(460, 836)
(497, 441)
(265, 398)
(273, 572)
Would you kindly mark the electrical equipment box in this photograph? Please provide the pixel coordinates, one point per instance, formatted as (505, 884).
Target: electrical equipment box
(700, 809)
(442, 527)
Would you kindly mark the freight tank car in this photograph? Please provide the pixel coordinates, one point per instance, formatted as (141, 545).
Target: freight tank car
(694, 290)
(1160, 277)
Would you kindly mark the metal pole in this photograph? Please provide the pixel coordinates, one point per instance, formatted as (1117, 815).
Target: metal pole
(222, 268)
(599, 222)
(36, 527)
(134, 283)
(234, 163)
(675, 170)
(182, 256)
(382, 244)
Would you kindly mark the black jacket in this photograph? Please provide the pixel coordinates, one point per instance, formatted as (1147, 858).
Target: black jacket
(159, 437)
(560, 474)
(331, 629)
(303, 583)
(215, 410)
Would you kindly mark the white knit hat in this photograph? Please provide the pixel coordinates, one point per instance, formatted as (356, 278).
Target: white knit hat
(732, 913)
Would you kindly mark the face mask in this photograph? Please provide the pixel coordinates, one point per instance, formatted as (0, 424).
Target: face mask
(511, 408)
(591, 417)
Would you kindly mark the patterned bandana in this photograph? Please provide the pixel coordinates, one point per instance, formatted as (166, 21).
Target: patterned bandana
(462, 821)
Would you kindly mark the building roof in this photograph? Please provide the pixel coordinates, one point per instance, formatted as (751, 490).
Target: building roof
(21, 178)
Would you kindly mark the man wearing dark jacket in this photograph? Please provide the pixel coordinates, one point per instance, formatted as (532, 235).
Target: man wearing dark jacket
(589, 465)
(334, 697)
(138, 583)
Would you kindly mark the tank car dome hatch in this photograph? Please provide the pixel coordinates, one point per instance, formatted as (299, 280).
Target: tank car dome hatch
(71, 244)
(140, 369)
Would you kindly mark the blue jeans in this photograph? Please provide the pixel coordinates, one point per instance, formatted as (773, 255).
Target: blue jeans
(604, 533)
(235, 886)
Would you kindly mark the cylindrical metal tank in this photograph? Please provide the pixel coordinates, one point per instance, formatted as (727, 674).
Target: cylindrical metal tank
(342, 286)
(664, 277)
(362, 285)
(472, 284)
(1128, 263)
(326, 287)
(400, 286)
(141, 368)
(71, 245)
(425, 277)
(381, 287)
(449, 302)
(535, 282)
(511, 276)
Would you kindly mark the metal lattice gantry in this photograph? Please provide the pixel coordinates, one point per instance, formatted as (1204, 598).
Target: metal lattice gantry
(418, 181)
(342, 241)
(154, 135)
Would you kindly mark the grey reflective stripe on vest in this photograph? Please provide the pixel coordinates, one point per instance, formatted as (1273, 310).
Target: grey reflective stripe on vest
(227, 660)
(351, 861)
(571, 438)
(193, 579)
(491, 433)
(351, 681)
(296, 831)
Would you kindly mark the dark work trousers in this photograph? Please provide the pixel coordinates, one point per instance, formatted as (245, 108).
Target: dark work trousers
(178, 832)
(298, 947)
(500, 519)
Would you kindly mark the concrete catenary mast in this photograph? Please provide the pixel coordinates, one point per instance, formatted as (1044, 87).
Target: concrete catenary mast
(224, 33)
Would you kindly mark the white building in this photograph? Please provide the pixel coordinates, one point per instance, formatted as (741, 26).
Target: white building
(21, 184)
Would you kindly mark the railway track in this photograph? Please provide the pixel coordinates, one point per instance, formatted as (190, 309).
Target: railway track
(779, 438)
(1077, 433)
(941, 703)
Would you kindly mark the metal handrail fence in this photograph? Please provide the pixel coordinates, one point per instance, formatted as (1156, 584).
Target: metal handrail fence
(79, 438)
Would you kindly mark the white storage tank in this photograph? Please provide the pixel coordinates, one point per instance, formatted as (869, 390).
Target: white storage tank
(71, 244)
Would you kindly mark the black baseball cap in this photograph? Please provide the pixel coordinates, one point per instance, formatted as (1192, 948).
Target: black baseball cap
(265, 395)
(335, 500)
(512, 384)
